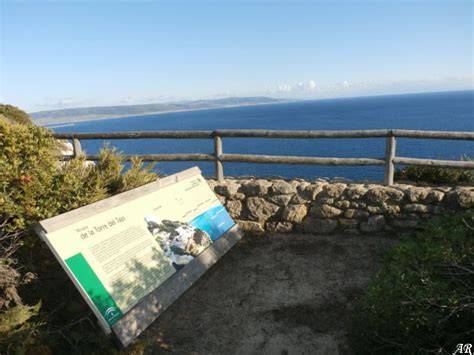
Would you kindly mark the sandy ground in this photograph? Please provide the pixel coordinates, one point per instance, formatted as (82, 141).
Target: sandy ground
(277, 294)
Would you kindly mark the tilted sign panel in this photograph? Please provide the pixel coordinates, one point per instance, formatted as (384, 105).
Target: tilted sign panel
(119, 251)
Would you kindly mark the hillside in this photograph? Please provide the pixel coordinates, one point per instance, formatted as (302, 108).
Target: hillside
(101, 112)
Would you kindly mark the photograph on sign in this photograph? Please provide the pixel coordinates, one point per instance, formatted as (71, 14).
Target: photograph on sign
(120, 254)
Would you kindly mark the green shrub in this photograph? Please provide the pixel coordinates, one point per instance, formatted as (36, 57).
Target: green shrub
(436, 175)
(35, 185)
(13, 114)
(17, 329)
(422, 300)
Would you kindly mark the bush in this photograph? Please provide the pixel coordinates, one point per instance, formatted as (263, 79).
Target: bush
(35, 185)
(436, 175)
(422, 300)
(13, 114)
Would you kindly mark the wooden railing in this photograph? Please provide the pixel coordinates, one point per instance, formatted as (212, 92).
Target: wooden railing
(218, 156)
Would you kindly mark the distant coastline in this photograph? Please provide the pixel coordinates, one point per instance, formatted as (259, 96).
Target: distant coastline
(75, 115)
(83, 114)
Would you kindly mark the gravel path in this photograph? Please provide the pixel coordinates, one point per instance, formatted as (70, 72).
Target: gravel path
(277, 294)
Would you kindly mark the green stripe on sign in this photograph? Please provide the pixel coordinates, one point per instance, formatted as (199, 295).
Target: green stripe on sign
(94, 288)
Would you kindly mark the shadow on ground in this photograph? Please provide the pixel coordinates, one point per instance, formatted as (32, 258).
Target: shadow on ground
(278, 294)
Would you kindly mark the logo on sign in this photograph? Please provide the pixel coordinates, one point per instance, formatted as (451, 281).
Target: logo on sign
(111, 313)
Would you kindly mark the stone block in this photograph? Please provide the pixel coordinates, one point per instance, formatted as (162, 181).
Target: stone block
(325, 211)
(416, 208)
(378, 195)
(358, 214)
(294, 213)
(374, 224)
(260, 209)
(250, 227)
(280, 200)
(280, 227)
(234, 207)
(281, 187)
(319, 226)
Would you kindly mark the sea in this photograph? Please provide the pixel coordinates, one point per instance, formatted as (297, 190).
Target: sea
(445, 111)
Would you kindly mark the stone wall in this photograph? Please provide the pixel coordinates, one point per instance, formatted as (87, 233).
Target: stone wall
(324, 207)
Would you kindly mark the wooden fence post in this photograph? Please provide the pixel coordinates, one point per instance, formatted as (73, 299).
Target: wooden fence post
(77, 147)
(217, 155)
(389, 170)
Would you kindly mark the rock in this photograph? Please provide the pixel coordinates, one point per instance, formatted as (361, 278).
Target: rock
(280, 200)
(333, 190)
(321, 180)
(391, 209)
(416, 193)
(227, 188)
(443, 189)
(297, 200)
(461, 197)
(374, 209)
(260, 209)
(302, 185)
(374, 224)
(250, 227)
(294, 213)
(355, 192)
(348, 223)
(238, 196)
(322, 201)
(434, 196)
(234, 207)
(319, 226)
(325, 211)
(221, 199)
(358, 205)
(299, 185)
(416, 207)
(342, 204)
(281, 187)
(280, 227)
(310, 192)
(341, 179)
(353, 213)
(380, 194)
(255, 187)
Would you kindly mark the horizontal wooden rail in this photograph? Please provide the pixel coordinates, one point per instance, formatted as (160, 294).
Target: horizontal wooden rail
(438, 163)
(250, 133)
(218, 157)
(281, 159)
(157, 157)
(137, 135)
(469, 136)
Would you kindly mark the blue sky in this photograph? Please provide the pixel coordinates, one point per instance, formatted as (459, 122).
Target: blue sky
(57, 54)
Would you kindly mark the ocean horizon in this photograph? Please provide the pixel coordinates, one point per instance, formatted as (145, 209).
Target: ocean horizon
(439, 111)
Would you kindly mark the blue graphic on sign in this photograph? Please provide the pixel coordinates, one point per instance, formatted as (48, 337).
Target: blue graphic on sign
(215, 222)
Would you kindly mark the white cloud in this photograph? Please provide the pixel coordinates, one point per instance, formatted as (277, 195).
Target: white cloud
(309, 89)
(301, 87)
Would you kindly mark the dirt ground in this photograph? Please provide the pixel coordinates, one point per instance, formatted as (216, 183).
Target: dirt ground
(277, 294)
